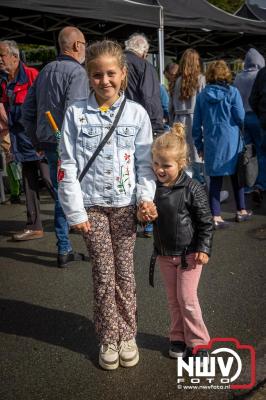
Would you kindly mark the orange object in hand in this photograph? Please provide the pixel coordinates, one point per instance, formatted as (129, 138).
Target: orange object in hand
(51, 121)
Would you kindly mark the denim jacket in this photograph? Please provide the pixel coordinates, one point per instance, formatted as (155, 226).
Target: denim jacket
(121, 175)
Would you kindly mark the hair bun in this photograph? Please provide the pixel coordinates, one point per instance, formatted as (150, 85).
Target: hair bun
(178, 130)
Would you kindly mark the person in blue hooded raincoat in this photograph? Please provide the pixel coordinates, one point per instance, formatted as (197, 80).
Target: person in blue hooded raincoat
(218, 118)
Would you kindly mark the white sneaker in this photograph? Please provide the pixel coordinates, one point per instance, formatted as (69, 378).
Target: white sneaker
(128, 353)
(108, 356)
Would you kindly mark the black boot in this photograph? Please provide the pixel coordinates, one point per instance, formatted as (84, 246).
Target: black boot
(257, 196)
(64, 259)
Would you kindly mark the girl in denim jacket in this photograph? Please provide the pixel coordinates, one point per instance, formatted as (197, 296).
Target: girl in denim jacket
(103, 205)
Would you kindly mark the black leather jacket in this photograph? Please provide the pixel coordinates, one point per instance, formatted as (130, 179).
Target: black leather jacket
(184, 223)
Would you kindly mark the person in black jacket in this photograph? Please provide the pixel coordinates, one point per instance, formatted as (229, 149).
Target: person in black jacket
(257, 101)
(257, 98)
(143, 86)
(182, 240)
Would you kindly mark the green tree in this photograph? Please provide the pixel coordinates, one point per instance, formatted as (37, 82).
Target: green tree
(228, 5)
(38, 54)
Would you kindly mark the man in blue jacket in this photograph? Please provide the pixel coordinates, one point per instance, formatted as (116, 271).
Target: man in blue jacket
(59, 83)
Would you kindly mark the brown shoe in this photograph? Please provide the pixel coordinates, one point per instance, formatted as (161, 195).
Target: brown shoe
(28, 234)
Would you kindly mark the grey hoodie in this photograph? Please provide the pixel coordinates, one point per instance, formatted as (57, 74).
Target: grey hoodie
(244, 80)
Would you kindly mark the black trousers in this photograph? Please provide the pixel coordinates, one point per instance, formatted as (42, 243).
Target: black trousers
(31, 171)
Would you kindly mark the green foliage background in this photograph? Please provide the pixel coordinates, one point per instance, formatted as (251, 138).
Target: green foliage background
(228, 5)
(38, 54)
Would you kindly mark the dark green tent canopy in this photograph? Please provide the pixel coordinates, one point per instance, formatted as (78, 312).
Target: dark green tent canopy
(187, 23)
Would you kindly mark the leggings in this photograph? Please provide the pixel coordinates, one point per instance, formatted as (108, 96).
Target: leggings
(216, 183)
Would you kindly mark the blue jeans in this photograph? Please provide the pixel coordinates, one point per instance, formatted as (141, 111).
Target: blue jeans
(60, 222)
(254, 134)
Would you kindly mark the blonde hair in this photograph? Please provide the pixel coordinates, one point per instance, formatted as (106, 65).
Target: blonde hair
(218, 71)
(174, 141)
(107, 48)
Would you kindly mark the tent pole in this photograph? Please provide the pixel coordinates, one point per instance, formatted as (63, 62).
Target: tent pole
(161, 45)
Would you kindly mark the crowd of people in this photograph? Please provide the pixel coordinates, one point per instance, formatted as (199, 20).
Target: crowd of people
(132, 150)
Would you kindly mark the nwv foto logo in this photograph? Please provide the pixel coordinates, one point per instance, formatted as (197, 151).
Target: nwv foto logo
(223, 361)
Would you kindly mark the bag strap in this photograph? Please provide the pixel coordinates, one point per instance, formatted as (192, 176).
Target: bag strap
(103, 142)
(241, 137)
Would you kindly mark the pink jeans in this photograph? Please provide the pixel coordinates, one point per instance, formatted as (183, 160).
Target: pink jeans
(181, 286)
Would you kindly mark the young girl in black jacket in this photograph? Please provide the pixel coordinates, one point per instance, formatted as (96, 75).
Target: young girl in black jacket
(182, 239)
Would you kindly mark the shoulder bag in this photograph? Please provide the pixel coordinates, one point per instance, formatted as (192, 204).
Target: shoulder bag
(247, 165)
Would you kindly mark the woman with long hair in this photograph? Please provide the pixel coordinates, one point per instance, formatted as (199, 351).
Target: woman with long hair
(189, 83)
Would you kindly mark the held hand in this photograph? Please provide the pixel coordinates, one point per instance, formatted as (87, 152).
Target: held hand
(201, 258)
(84, 227)
(147, 211)
(151, 209)
(143, 216)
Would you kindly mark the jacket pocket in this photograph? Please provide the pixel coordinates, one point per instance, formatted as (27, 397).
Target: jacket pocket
(91, 137)
(125, 137)
(20, 95)
(184, 234)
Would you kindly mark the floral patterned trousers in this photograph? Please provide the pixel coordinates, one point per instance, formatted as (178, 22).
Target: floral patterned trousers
(111, 245)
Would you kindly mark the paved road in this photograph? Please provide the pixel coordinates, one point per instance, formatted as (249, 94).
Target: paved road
(47, 346)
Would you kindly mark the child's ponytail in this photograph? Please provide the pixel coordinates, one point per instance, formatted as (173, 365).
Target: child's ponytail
(178, 129)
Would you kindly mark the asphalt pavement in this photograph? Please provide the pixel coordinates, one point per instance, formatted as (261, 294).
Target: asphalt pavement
(48, 350)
